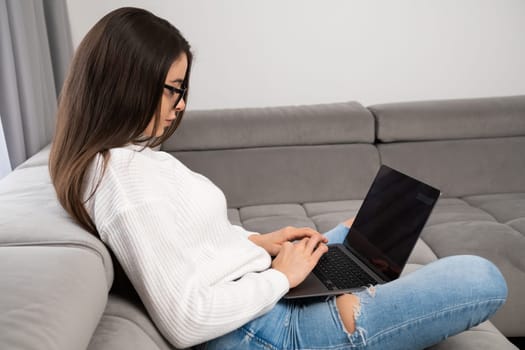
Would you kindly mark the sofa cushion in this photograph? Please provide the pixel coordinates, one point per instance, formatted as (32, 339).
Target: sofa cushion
(271, 217)
(496, 242)
(464, 147)
(126, 325)
(321, 216)
(450, 119)
(52, 297)
(462, 167)
(281, 154)
(508, 208)
(482, 337)
(273, 126)
(272, 175)
(32, 215)
(449, 210)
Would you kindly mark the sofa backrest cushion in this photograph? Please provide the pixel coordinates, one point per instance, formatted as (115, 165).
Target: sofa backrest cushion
(450, 119)
(273, 126)
(32, 215)
(281, 154)
(463, 147)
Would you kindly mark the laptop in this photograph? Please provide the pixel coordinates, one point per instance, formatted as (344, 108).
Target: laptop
(378, 244)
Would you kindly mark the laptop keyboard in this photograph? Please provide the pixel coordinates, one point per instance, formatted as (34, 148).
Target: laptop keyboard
(337, 271)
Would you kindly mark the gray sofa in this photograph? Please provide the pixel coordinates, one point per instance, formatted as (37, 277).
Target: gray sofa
(311, 166)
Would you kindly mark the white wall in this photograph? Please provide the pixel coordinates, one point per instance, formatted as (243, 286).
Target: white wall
(283, 52)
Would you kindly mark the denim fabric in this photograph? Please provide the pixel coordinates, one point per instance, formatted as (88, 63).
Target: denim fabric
(418, 310)
(337, 234)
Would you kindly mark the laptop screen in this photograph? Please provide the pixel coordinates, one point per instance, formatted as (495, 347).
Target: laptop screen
(390, 220)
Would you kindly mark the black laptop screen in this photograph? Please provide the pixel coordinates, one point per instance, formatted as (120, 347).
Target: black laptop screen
(390, 221)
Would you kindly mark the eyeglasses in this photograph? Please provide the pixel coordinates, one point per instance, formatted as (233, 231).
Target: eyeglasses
(173, 90)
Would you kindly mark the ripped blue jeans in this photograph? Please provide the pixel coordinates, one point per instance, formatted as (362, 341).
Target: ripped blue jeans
(416, 311)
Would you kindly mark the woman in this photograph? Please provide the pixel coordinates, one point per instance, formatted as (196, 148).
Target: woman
(202, 279)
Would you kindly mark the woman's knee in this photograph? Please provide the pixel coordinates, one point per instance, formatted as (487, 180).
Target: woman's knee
(478, 274)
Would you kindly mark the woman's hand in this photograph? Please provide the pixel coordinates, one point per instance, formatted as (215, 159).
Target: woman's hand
(297, 260)
(272, 242)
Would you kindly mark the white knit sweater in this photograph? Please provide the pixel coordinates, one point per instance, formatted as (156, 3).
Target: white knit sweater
(198, 275)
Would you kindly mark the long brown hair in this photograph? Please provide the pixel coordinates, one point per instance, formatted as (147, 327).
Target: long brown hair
(112, 91)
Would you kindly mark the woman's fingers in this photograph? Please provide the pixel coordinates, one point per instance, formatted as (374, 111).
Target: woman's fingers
(305, 232)
(313, 242)
(294, 233)
(316, 248)
(318, 253)
(312, 247)
(296, 261)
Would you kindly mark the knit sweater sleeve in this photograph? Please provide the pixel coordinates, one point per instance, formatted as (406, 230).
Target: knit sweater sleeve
(243, 231)
(186, 307)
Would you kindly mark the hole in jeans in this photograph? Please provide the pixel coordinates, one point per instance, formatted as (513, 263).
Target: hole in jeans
(349, 308)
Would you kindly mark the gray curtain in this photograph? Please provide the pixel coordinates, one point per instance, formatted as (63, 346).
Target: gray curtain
(35, 51)
(5, 165)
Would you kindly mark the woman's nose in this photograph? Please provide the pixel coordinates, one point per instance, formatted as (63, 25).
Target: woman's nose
(180, 105)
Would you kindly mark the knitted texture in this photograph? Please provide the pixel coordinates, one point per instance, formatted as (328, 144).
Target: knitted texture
(198, 275)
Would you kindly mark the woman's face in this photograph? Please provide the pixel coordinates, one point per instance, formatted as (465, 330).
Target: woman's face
(174, 78)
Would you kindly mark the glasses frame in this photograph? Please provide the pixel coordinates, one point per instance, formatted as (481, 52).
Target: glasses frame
(173, 90)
